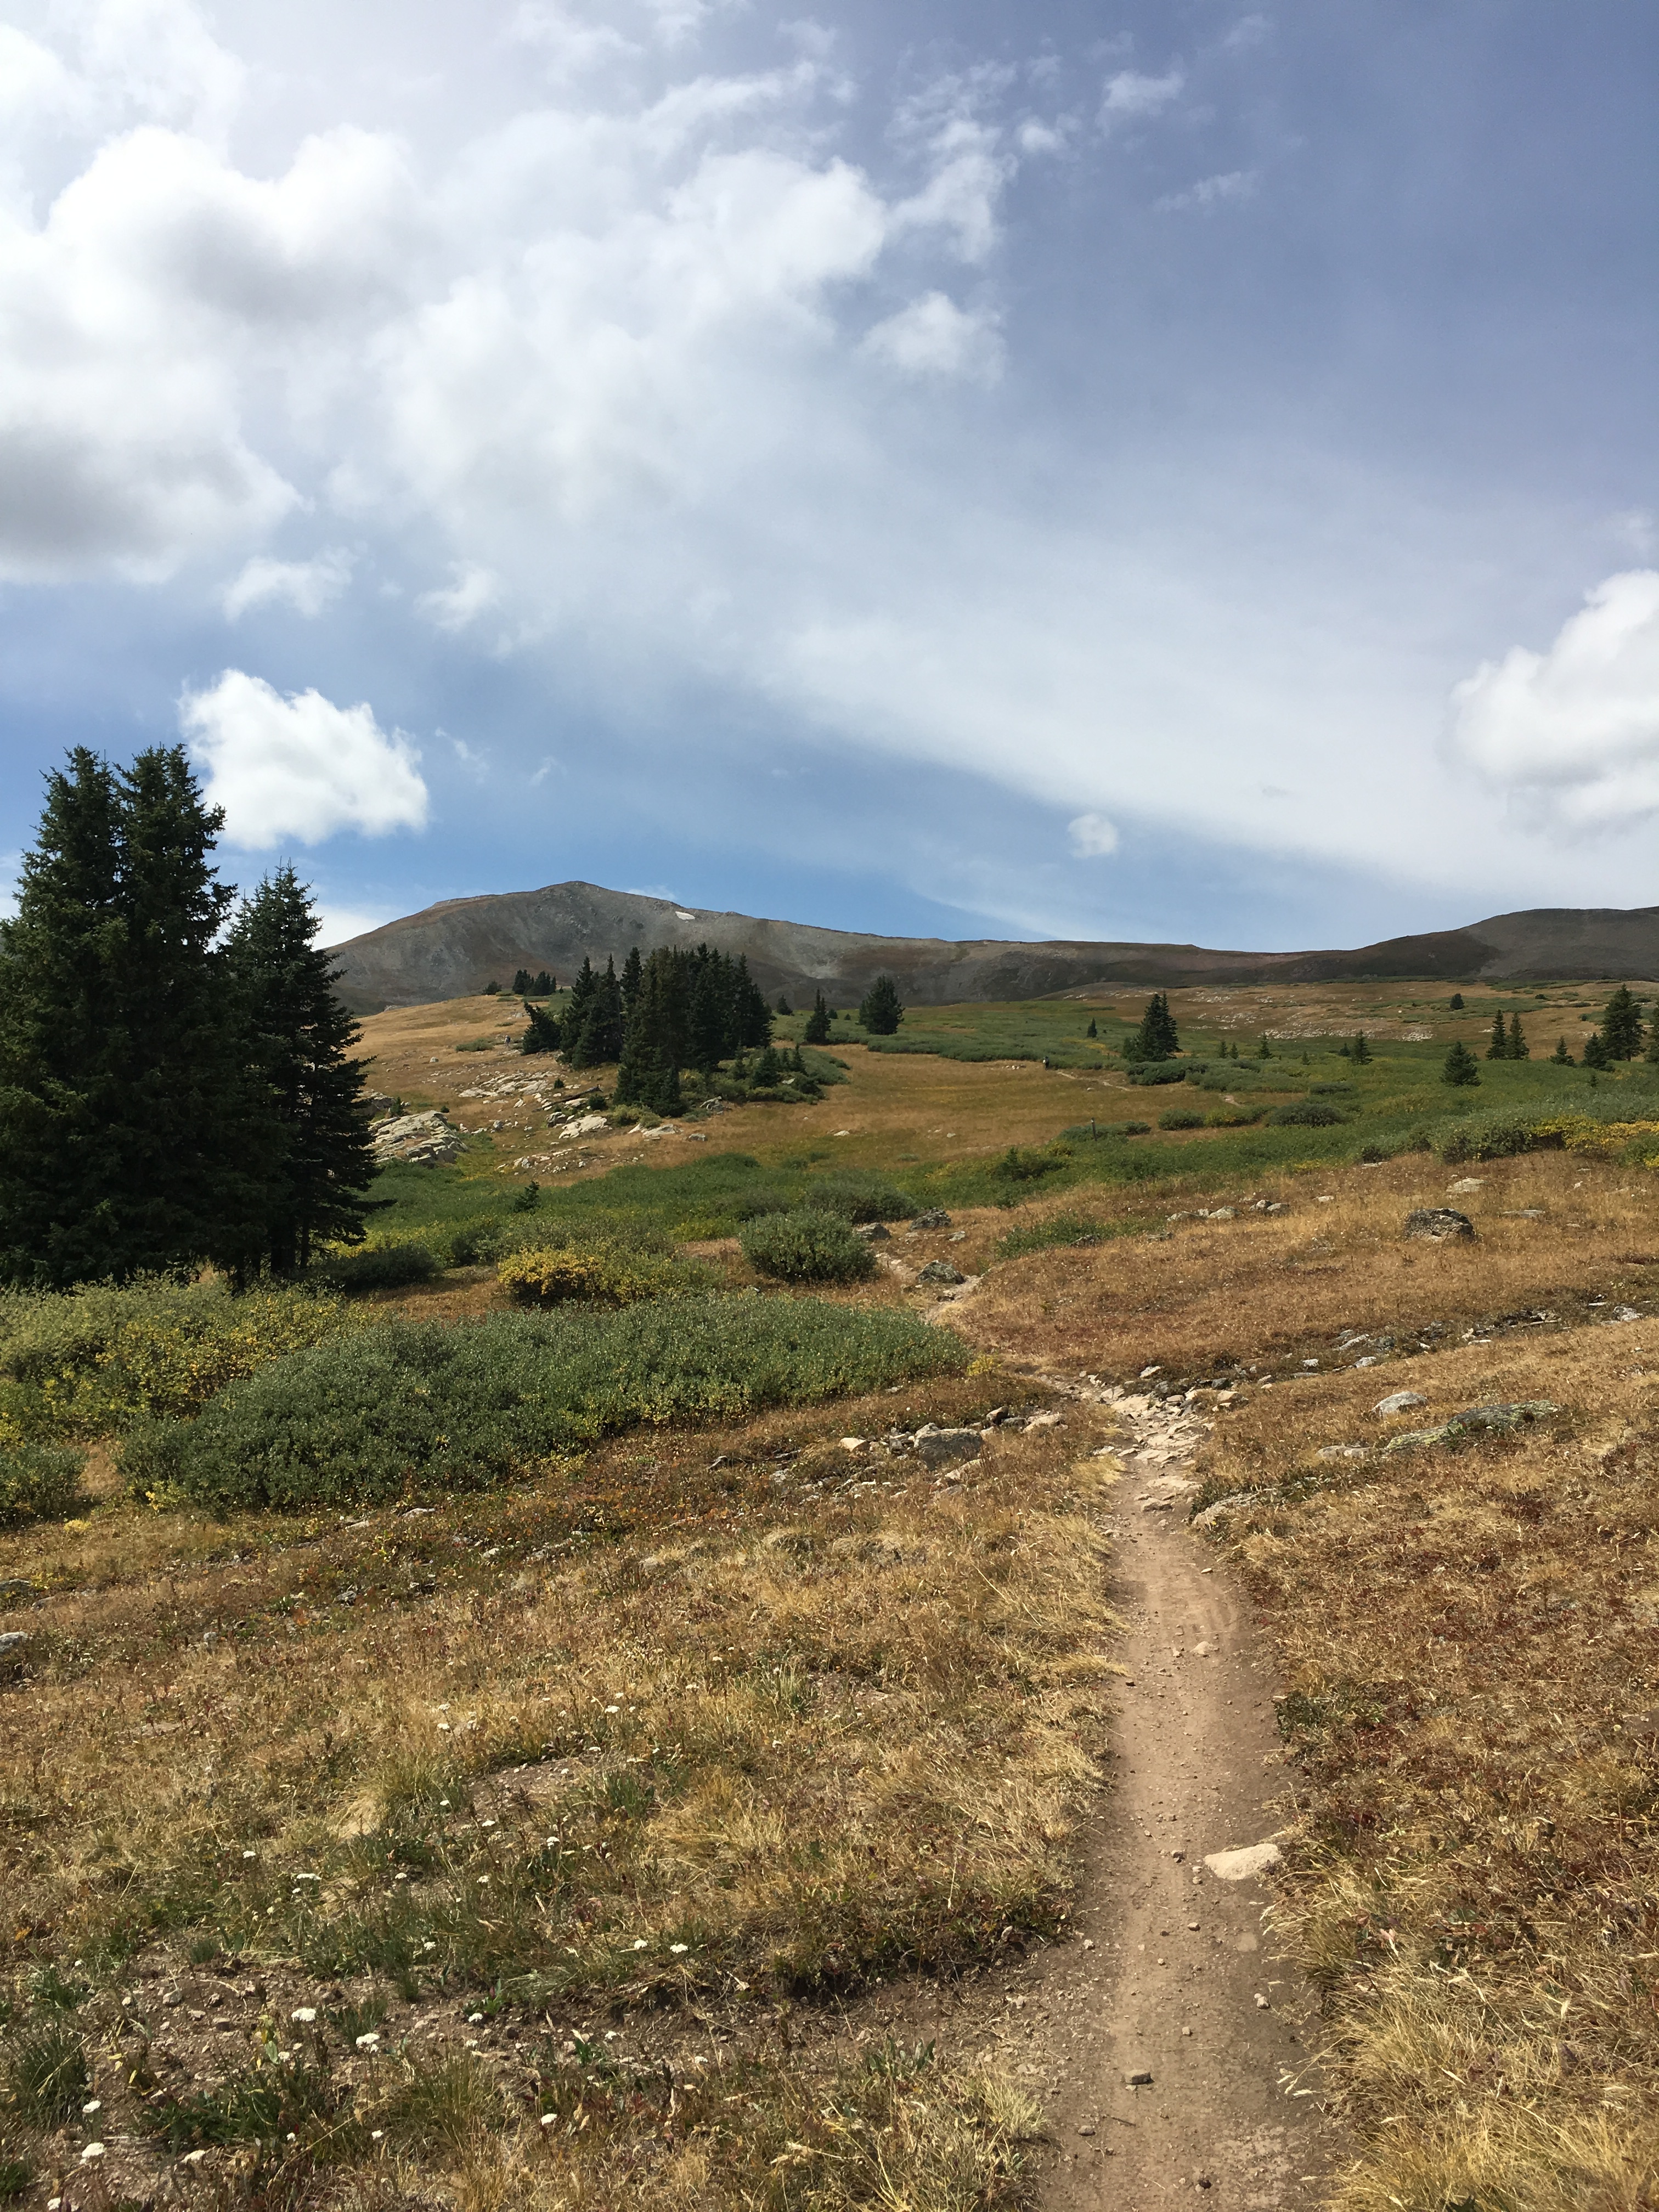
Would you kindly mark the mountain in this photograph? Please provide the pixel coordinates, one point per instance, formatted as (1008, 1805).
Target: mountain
(459, 946)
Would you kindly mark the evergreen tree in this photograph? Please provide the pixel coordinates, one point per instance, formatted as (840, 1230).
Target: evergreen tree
(1093, 1029)
(1519, 1048)
(297, 1037)
(1264, 1050)
(767, 1070)
(1595, 1051)
(753, 1016)
(521, 983)
(1621, 1025)
(880, 1010)
(711, 1020)
(817, 1022)
(633, 970)
(1652, 1052)
(581, 998)
(544, 1032)
(1498, 1049)
(600, 1039)
(1460, 1065)
(1456, 1002)
(784, 1006)
(1361, 1053)
(543, 987)
(131, 1136)
(1561, 1057)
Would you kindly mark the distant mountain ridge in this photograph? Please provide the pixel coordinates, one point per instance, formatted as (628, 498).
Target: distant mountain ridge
(456, 947)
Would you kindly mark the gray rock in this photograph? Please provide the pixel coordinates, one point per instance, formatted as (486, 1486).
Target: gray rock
(1141, 2078)
(1211, 1514)
(1244, 1863)
(1478, 1420)
(873, 1232)
(1440, 1223)
(1400, 1402)
(11, 1644)
(947, 1447)
(934, 1218)
(940, 1271)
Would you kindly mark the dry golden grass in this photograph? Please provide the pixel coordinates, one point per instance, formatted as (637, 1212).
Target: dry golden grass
(1473, 1708)
(739, 1745)
(1268, 1288)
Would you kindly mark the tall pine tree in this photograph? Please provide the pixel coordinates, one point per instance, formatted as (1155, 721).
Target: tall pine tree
(1621, 1025)
(1498, 1046)
(298, 1038)
(132, 1135)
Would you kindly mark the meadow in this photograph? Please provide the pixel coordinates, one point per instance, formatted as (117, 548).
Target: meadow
(528, 1733)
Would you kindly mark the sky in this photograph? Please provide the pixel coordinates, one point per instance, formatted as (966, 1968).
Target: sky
(1182, 472)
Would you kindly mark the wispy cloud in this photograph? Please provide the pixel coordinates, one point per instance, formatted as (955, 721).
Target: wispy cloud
(1227, 189)
(1131, 97)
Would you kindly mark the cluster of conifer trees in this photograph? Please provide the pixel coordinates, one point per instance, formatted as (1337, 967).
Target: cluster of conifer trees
(172, 1091)
(674, 1010)
(541, 985)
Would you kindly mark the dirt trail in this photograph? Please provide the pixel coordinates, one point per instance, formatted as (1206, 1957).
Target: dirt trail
(1181, 1984)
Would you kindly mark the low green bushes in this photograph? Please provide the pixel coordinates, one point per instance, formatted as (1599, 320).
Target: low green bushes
(591, 1274)
(1031, 1163)
(807, 1246)
(1304, 1113)
(82, 1364)
(376, 1267)
(1060, 1231)
(1177, 1118)
(855, 1196)
(375, 1413)
(1152, 1072)
(1233, 1117)
(39, 1482)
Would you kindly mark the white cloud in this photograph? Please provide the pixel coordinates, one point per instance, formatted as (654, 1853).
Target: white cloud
(341, 923)
(1130, 95)
(300, 767)
(1213, 192)
(1092, 836)
(1248, 31)
(455, 606)
(308, 587)
(932, 337)
(1572, 734)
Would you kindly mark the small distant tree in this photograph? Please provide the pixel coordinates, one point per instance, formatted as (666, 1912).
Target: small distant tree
(544, 1032)
(1462, 1065)
(543, 987)
(784, 1006)
(1456, 1002)
(1361, 1052)
(1498, 1046)
(1264, 1051)
(492, 989)
(880, 1010)
(817, 1022)
(1519, 1048)
(1595, 1051)
(1093, 1029)
(1561, 1057)
(768, 1069)
(1621, 1025)
(1652, 1052)
(521, 983)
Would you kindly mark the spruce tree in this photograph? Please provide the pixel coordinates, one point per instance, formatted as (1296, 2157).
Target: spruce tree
(544, 1032)
(1361, 1052)
(784, 1006)
(521, 983)
(1093, 1029)
(880, 1010)
(817, 1022)
(753, 1016)
(710, 1025)
(543, 986)
(1519, 1048)
(1456, 1002)
(1461, 1067)
(1264, 1050)
(1498, 1047)
(1595, 1051)
(1561, 1057)
(297, 1037)
(1621, 1025)
(1652, 1052)
(1156, 1038)
(132, 1135)
(633, 969)
(601, 1037)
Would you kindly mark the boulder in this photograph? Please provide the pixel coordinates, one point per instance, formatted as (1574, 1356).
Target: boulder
(873, 1232)
(935, 1218)
(940, 1271)
(947, 1447)
(1245, 1863)
(1402, 1401)
(1440, 1224)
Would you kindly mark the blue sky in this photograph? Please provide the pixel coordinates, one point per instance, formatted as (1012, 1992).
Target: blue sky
(1182, 472)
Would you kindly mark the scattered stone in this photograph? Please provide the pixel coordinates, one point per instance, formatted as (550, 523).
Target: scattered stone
(873, 1232)
(1341, 1452)
(1466, 1184)
(417, 1140)
(1211, 1514)
(1491, 1420)
(11, 1644)
(934, 1218)
(1400, 1402)
(1141, 2078)
(1440, 1224)
(940, 1271)
(1244, 1863)
(947, 1447)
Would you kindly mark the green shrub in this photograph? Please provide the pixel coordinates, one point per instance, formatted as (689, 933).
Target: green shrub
(1029, 1163)
(583, 1275)
(410, 1405)
(39, 1482)
(1233, 1117)
(376, 1267)
(809, 1246)
(1060, 1231)
(85, 1363)
(1177, 1118)
(1137, 1129)
(860, 1197)
(1159, 1071)
(1304, 1114)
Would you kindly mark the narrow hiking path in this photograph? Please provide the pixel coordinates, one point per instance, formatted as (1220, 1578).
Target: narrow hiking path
(1180, 2049)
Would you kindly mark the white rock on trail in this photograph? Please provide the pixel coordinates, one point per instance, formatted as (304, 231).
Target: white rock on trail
(1244, 1863)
